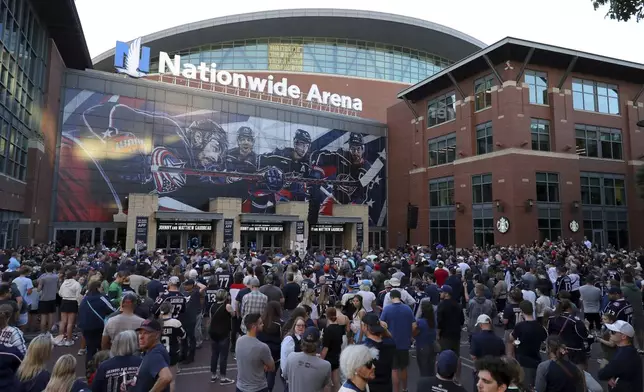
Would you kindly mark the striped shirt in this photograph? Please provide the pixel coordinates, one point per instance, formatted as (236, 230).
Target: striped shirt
(12, 337)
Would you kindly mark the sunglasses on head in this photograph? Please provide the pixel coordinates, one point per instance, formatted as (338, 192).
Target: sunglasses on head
(370, 364)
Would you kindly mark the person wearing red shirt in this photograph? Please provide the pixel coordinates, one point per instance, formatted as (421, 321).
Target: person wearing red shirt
(440, 274)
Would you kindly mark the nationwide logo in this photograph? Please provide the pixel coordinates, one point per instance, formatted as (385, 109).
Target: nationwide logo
(134, 60)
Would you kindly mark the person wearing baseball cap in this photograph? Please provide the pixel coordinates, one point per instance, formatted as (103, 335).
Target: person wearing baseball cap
(446, 367)
(624, 371)
(304, 370)
(404, 295)
(154, 372)
(378, 337)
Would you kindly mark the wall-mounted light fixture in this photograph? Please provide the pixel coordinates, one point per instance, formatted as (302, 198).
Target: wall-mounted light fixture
(499, 205)
(575, 204)
(459, 206)
(528, 204)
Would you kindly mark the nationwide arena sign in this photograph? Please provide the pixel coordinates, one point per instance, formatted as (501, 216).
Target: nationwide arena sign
(134, 60)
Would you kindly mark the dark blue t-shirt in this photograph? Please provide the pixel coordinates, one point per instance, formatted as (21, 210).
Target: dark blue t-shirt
(486, 343)
(116, 374)
(36, 384)
(153, 362)
(399, 319)
(80, 386)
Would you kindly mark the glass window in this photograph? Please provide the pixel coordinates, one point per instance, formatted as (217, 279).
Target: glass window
(548, 187)
(442, 149)
(540, 130)
(442, 226)
(483, 222)
(549, 223)
(482, 188)
(483, 92)
(603, 189)
(441, 192)
(595, 96)
(484, 139)
(538, 85)
(598, 142)
(441, 109)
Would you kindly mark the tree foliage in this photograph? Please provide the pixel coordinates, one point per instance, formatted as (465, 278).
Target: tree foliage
(622, 10)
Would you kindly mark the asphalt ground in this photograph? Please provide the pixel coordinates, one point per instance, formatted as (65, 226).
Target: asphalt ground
(196, 376)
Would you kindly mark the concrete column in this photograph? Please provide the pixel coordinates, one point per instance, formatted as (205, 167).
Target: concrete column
(142, 204)
(350, 239)
(293, 208)
(230, 208)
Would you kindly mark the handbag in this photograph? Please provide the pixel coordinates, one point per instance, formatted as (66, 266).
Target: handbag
(104, 319)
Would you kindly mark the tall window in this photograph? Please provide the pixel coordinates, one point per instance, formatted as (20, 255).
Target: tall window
(483, 92)
(484, 139)
(604, 227)
(17, 155)
(595, 96)
(442, 149)
(442, 226)
(441, 192)
(441, 109)
(540, 130)
(548, 187)
(538, 84)
(603, 189)
(4, 142)
(482, 188)
(598, 142)
(483, 226)
(549, 223)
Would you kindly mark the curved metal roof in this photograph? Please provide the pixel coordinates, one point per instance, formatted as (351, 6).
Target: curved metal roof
(331, 23)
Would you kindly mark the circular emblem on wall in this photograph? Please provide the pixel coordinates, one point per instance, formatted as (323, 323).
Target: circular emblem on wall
(503, 225)
(574, 226)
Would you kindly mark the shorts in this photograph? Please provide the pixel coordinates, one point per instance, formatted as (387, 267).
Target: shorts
(450, 344)
(401, 360)
(69, 306)
(47, 307)
(33, 311)
(23, 319)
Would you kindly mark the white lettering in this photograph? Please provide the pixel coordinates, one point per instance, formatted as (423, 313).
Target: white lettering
(224, 78)
(357, 104)
(335, 100)
(256, 84)
(346, 102)
(270, 84)
(189, 71)
(279, 88)
(314, 94)
(325, 97)
(213, 72)
(164, 61)
(294, 92)
(239, 80)
(203, 72)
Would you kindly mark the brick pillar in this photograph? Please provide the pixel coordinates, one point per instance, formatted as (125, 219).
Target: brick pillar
(231, 208)
(141, 205)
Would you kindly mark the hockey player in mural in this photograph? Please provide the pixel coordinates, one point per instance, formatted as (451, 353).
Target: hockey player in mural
(115, 146)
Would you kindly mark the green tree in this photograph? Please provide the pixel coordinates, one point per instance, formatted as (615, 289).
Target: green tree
(622, 10)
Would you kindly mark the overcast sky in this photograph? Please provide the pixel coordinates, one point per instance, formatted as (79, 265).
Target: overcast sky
(568, 23)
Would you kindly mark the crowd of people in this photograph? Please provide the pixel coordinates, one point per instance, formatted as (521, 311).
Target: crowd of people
(320, 322)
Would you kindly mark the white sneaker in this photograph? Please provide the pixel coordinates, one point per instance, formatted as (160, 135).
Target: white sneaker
(82, 352)
(69, 343)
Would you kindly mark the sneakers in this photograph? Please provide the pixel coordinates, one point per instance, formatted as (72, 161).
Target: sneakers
(214, 378)
(82, 352)
(226, 381)
(69, 343)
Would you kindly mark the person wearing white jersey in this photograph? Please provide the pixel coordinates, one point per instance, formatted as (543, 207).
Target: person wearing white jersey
(405, 296)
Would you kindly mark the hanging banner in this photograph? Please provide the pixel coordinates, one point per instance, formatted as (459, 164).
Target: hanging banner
(327, 228)
(229, 226)
(261, 227)
(360, 233)
(299, 227)
(141, 232)
(185, 226)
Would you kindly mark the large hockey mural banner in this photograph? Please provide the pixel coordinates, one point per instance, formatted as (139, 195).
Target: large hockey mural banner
(113, 145)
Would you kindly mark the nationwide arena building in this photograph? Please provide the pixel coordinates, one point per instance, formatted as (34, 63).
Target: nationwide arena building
(327, 128)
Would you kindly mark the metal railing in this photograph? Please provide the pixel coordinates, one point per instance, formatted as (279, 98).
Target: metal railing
(246, 93)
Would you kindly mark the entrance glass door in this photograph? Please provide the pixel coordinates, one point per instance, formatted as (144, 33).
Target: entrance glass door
(86, 237)
(598, 238)
(108, 237)
(248, 241)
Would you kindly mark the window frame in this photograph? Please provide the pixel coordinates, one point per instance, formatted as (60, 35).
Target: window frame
(549, 227)
(584, 89)
(442, 103)
(550, 181)
(488, 136)
(598, 141)
(597, 182)
(450, 149)
(534, 87)
(444, 194)
(482, 180)
(484, 216)
(481, 86)
(535, 131)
